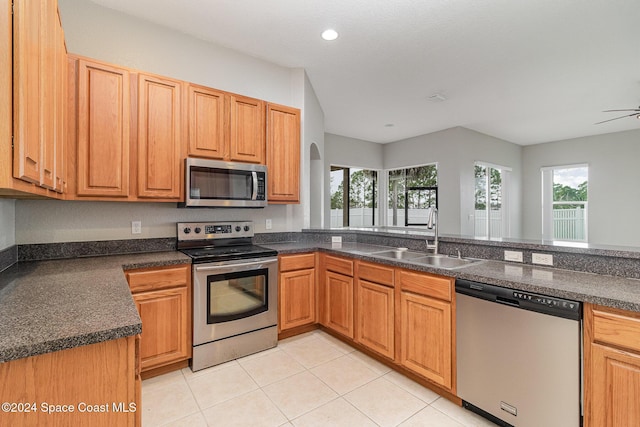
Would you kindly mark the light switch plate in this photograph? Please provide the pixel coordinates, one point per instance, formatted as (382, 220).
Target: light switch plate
(268, 224)
(542, 259)
(136, 227)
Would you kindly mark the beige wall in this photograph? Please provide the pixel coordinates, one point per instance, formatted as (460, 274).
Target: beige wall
(7, 223)
(456, 150)
(614, 184)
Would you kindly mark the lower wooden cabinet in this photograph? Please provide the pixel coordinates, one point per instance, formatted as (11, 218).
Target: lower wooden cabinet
(425, 336)
(375, 318)
(297, 291)
(611, 367)
(426, 326)
(375, 308)
(338, 310)
(163, 300)
(100, 380)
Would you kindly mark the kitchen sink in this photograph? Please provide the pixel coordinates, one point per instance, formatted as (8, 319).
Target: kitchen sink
(398, 254)
(444, 261)
(434, 260)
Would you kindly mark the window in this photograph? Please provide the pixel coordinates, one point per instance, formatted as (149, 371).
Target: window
(412, 191)
(491, 219)
(358, 187)
(564, 203)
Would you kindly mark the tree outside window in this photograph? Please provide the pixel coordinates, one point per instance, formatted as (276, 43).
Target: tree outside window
(358, 186)
(412, 191)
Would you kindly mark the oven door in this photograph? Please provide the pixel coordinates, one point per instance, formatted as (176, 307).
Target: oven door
(234, 297)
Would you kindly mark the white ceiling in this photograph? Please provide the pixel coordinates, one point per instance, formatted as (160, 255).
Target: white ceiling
(527, 71)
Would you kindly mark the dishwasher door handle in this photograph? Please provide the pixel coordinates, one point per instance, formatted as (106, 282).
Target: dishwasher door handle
(507, 301)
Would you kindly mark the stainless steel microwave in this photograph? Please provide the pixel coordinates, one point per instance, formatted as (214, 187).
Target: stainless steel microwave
(213, 183)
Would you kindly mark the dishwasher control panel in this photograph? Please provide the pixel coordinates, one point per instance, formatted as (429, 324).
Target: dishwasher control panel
(553, 306)
(547, 301)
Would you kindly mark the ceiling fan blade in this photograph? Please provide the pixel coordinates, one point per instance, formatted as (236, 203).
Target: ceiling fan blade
(610, 111)
(621, 117)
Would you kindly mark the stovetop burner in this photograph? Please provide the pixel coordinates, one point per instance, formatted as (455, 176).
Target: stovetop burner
(219, 241)
(227, 253)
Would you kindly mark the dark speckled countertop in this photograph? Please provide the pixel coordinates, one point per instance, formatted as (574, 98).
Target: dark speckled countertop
(611, 291)
(48, 306)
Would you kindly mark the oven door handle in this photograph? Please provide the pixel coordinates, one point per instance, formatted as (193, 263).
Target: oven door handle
(227, 266)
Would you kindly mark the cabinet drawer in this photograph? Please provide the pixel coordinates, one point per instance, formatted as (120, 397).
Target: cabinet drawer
(616, 329)
(375, 273)
(426, 284)
(158, 278)
(297, 262)
(338, 265)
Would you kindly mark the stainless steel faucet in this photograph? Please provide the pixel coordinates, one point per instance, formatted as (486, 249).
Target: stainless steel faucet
(432, 224)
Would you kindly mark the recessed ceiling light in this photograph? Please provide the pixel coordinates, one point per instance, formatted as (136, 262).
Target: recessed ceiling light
(437, 97)
(329, 34)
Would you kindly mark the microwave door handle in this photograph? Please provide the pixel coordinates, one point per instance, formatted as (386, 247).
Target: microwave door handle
(254, 194)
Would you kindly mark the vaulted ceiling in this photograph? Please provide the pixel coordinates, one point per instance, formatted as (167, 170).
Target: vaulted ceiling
(527, 71)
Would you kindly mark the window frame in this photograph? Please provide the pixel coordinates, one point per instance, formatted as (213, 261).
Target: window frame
(505, 177)
(346, 187)
(548, 203)
(384, 193)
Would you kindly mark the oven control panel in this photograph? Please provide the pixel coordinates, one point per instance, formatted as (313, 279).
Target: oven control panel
(214, 230)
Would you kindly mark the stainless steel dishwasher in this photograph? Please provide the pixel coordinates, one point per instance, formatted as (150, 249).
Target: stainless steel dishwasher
(518, 356)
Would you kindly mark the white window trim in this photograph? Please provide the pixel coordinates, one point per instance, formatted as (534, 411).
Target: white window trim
(547, 200)
(506, 188)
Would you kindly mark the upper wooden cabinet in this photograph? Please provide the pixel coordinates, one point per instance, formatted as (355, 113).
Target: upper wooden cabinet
(36, 38)
(159, 137)
(103, 130)
(225, 126)
(283, 154)
(247, 129)
(208, 123)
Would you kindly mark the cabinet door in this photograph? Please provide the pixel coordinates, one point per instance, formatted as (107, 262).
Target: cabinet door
(208, 123)
(247, 142)
(297, 298)
(339, 303)
(375, 318)
(103, 130)
(283, 154)
(26, 90)
(425, 337)
(615, 388)
(60, 107)
(48, 38)
(165, 320)
(159, 137)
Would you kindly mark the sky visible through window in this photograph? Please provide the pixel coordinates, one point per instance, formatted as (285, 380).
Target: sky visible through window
(571, 177)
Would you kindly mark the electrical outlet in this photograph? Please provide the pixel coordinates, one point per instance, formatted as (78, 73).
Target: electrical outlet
(268, 224)
(542, 259)
(336, 239)
(513, 256)
(136, 227)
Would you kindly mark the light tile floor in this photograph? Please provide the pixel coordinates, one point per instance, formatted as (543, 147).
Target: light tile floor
(308, 380)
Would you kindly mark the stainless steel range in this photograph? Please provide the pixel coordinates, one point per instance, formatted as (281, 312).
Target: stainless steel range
(235, 290)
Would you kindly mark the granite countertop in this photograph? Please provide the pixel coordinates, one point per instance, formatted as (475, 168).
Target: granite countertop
(48, 306)
(611, 291)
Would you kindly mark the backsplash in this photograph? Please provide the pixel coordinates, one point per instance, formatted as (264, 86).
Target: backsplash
(608, 262)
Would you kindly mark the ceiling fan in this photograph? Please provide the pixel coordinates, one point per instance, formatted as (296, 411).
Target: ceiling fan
(636, 114)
